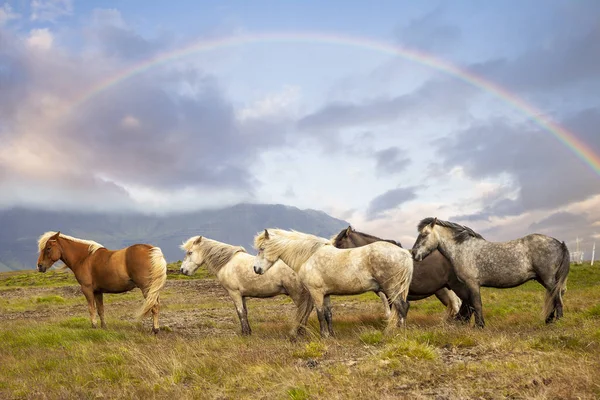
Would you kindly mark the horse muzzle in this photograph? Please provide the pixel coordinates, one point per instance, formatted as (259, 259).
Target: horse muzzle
(416, 256)
(41, 268)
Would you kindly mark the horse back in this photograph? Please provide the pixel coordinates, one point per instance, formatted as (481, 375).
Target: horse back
(116, 271)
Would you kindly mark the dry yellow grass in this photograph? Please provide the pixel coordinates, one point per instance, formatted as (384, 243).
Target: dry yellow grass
(48, 350)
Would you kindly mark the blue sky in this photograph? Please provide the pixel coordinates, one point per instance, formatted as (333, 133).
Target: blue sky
(364, 135)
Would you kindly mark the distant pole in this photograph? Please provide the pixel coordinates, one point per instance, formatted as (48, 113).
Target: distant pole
(593, 252)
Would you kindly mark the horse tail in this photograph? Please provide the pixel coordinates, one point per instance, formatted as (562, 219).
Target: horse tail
(399, 291)
(560, 285)
(158, 277)
(304, 307)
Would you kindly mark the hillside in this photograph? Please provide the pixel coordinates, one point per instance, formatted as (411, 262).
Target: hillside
(20, 228)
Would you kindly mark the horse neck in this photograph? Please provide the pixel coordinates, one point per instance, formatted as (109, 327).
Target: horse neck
(448, 246)
(297, 253)
(218, 256)
(361, 240)
(73, 253)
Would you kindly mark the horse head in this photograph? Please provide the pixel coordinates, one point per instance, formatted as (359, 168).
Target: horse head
(50, 253)
(427, 241)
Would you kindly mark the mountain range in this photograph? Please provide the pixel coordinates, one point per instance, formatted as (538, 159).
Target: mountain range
(237, 225)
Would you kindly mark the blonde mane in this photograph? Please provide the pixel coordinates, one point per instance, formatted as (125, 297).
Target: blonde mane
(292, 246)
(214, 254)
(92, 246)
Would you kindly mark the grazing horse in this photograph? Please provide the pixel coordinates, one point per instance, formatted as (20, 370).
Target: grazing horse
(233, 267)
(478, 262)
(430, 276)
(99, 270)
(325, 270)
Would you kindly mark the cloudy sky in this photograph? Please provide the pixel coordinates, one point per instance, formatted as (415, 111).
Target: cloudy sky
(371, 137)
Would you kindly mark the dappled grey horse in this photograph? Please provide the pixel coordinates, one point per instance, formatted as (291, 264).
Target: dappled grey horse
(430, 276)
(478, 262)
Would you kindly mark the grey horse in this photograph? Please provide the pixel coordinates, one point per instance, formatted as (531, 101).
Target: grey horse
(478, 262)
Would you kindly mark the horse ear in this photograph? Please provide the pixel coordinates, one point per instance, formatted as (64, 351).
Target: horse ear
(266, 234)
(56, 235)
(433, 222)
(197, 241)
(349, 230)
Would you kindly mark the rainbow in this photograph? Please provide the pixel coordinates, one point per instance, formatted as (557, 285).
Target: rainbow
(574, 144)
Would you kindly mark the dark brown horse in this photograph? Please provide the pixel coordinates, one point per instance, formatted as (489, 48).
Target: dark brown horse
(99, 270)
(432, 276)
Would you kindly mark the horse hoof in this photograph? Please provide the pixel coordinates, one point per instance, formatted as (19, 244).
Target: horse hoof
(155, 331)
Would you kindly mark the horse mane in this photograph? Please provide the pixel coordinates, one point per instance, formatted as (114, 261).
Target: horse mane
(298, 246)
(92, 246)
(336, 239)
(214, 253)
(461, 232)
(378, 238)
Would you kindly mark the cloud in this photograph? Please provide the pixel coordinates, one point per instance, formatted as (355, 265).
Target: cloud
(113, 37)
(141, 143)
(40, 39)
(272, 105)
(390, 200)
(569, 54)
(430, 32)
(546, 173)
(391, 161)
(50, 10)
(436, 98)
(7, 14)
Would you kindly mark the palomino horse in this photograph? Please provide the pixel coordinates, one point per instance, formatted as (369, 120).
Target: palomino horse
(99, 270)
(233, 267)
(478, 262)
(430, 276)
(325, 270)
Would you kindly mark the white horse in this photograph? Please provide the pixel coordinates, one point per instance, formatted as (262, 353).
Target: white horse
(325, 270)
(233, 267)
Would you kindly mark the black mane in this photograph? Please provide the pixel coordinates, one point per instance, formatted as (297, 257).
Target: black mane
(375, 238)
(461, 232)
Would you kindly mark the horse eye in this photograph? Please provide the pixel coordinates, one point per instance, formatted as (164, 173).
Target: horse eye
(189, 253)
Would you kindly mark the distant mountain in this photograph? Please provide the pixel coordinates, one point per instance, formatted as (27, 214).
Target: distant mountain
(237, 225)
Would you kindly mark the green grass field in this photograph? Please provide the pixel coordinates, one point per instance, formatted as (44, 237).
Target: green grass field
(49, 350)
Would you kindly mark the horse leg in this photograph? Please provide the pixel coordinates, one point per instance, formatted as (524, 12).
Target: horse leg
(328, 315)
(240, 307)
(386, 304)
(100, 307)
(319, 299)
(475, 299)
(155, 309)
(450, 300)
(245, 315)
(465, 312)
(400, 307)
(89, 296)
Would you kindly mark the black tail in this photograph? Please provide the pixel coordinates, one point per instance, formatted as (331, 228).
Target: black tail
(560, 286)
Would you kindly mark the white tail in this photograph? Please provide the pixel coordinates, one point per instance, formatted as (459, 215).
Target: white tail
(158, 277)
(400, 291)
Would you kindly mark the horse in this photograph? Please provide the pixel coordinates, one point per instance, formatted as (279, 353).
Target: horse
(478, 262)
(430, 276)
(99, 270)
(325, 270)
(233, 267)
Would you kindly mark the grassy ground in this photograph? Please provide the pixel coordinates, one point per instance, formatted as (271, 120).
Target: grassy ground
(48, 350)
